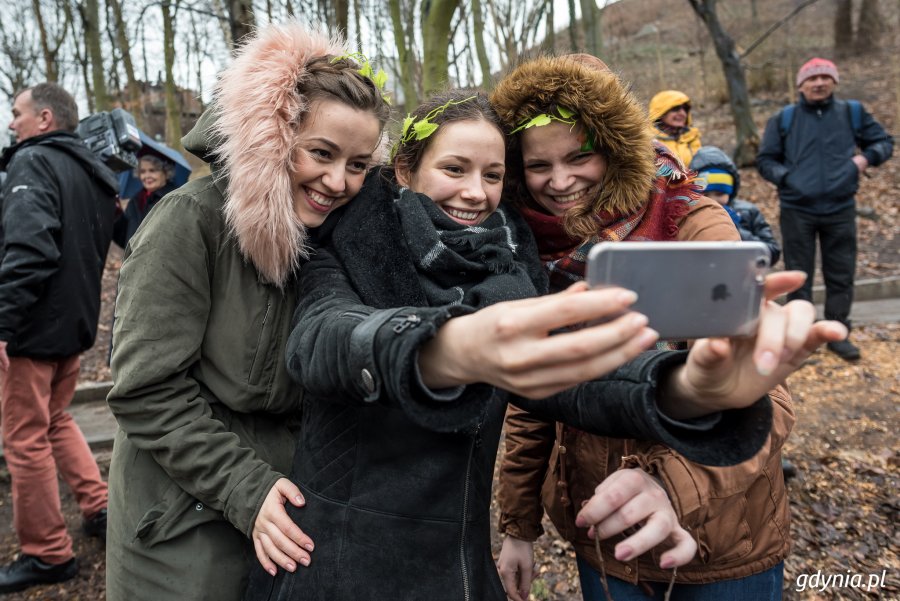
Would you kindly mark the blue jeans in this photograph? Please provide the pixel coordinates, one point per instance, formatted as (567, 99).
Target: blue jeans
(765, 586)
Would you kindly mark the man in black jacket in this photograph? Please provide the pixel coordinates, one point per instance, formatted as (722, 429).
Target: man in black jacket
(809, 150)
(57, 207)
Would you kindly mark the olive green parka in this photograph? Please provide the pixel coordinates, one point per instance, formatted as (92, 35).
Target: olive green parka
(206, 295)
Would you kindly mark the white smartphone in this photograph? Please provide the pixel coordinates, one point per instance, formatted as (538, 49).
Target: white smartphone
(687, 289)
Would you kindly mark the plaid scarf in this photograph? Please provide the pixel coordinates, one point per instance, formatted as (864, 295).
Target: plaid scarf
(674, 193)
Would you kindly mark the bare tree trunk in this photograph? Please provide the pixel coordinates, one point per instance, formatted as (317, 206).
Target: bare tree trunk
(90, 16)
(437, 16)
(224, 22)
(50, 49)
(81, 58)
(701, 54)
(745, 129)
(550, 44)
(869, 27)
(590, 24)
(199, 53)
(173, 110)
(357, 19)
(483, 62)
(241, 22)
(573, 30)
(342, 16)
(134, 90)
(406, 58)
(843, 28)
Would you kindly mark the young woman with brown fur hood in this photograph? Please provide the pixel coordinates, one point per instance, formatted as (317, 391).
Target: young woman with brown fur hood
(592, 173)
(206, 294)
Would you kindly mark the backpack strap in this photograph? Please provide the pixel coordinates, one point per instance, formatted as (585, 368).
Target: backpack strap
(855, 108)
(785, 119)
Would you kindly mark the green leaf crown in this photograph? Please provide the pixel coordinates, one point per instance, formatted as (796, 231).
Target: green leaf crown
(379, 78)
(424, 127)
(561, 114)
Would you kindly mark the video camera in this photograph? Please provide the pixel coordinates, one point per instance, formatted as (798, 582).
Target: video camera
(113, 136)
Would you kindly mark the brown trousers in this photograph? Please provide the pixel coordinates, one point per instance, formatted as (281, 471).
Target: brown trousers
(40, 439)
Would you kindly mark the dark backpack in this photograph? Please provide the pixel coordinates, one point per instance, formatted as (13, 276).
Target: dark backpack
(853, 106)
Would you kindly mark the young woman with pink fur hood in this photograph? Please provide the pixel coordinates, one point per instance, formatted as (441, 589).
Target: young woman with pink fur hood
(206, 293)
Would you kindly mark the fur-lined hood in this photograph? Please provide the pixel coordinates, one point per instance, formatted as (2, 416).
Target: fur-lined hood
(585, 85)
(249, 133)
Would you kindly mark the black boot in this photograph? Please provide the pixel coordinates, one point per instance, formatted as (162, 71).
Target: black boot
(844, 349)
(95, 526)
(28, 570)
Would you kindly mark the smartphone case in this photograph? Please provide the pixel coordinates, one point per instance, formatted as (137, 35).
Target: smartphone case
(687, 289)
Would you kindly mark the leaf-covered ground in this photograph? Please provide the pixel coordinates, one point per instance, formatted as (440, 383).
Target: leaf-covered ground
(844, 505)
(845, 508)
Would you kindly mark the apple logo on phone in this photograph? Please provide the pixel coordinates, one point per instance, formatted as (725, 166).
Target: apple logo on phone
(720, 292)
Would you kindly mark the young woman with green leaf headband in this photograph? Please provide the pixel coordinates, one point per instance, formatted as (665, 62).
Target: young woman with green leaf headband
(583, 168)
(416, 315)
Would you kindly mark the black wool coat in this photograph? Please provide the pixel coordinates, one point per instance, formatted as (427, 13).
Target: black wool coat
(397, 478)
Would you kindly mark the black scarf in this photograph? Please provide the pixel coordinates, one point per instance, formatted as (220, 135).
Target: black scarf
(459, 264)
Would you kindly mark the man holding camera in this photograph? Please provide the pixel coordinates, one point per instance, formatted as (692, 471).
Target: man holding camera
(57, 207)
(809, 150)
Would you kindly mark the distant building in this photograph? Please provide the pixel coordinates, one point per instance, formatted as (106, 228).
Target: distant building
(152, 110)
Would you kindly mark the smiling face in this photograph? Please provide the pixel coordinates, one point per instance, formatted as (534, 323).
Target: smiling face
(151, 175)
(677, 116)
(461, 170)
(334, 149)
(817, 88)
(558, 173)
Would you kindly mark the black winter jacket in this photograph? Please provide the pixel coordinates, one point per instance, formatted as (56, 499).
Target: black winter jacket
(397, 478)
(812, 164)
(754, 227)
(58, 204)
(131, 218)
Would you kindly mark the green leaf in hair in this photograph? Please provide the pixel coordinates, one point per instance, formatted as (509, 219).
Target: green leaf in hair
(424, 129)
(379, 79)
(406, 123)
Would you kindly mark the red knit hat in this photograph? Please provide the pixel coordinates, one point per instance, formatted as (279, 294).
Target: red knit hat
(817, 66)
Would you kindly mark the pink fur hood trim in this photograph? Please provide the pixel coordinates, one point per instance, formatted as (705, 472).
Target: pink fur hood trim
(258, 109)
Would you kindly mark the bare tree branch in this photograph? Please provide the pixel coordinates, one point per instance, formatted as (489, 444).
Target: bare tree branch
(775, 26)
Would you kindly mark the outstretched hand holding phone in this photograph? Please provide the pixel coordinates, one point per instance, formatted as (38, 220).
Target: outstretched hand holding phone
(726, 373)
